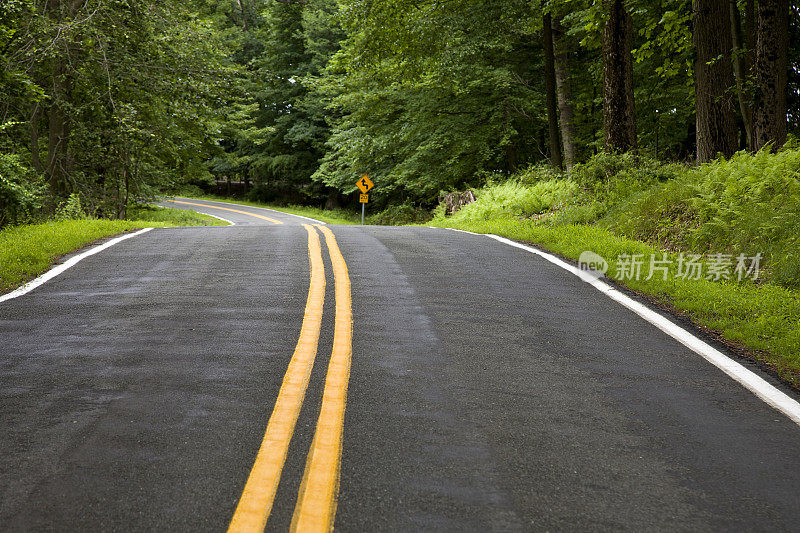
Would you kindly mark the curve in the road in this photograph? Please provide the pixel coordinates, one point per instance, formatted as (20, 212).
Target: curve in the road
(178, 202)
(750, 380)
(274, 221)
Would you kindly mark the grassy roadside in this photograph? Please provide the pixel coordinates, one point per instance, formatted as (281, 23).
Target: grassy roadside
(29, 250)
(762, 319)
(334, 216)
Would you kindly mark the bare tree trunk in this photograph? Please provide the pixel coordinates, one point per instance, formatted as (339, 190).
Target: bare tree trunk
(244, 15)
(771, 71)
(550, 91)
(564, 92)
(715, 111)
(740, 71)
(619, 112)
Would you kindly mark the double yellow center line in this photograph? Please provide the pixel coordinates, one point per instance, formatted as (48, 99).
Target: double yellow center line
(316, 502)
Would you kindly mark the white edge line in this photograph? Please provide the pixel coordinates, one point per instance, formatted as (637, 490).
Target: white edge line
(746, 377)
(231, 222)
(459, 230)
(55, 271)
(314, 220)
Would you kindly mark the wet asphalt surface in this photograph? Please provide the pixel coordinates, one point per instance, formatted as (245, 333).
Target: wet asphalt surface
(489, 390)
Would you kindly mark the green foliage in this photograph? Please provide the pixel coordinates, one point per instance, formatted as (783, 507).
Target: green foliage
(747, 205)
(275, 135)
(514, 199)
(20, 194)
(606, 180)
(71, 209)
(400, 215)
(750, 200)
(663, 215)
(430, 96)
(613, 176)
(130, 89)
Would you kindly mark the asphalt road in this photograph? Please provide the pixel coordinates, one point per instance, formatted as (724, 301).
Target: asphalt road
(488, 389)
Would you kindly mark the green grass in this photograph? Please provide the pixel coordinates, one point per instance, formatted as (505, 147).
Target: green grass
(763, 319)
(29, 250)
(330, 216)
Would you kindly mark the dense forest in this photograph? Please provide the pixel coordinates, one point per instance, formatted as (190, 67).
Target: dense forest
(113, 100)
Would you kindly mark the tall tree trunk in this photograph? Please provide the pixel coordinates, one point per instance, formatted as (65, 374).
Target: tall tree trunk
(566, 113)
(750, 32)
(619, 110)
(771, 70)
(244, 15)
(58, 161)
(740, 71)
(57, 134)
(36, 161)
(714, 106)
(550, 91)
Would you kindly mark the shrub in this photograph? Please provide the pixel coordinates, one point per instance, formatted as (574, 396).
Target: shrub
(71, 209)
(398, 215)
(615, 177)
(20, 194)
(663, 215)
(514, 199)
(747, 205)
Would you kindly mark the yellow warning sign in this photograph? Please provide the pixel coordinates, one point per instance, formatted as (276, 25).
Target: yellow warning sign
(364, 185)
(364, 198)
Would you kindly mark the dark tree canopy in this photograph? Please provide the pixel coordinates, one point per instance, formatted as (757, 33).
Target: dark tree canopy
(115, 99)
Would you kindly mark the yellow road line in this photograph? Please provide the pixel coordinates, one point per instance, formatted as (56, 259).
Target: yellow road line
(259, 492)
(316, 502)
(226, 209)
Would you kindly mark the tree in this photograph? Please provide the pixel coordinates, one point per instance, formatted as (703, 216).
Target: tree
(619, 113)
(550, 91)
(741, 68)
(432, 96)
(714, 106)
(123, 91)
(770, 70)
(566, 113)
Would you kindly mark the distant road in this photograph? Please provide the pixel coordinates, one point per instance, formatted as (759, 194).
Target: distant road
(384, 378)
